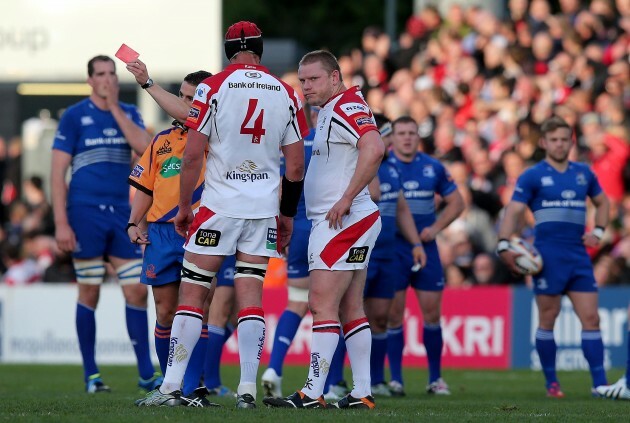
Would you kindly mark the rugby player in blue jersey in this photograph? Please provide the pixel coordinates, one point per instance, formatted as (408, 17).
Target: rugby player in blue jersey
(555, 190)
(423, 178)
(96, 138)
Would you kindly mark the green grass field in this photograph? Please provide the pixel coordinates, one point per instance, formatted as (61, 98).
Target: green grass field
(36, 393)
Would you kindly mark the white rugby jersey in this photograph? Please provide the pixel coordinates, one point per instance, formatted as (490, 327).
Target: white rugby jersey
(248, 115)
(340, 124)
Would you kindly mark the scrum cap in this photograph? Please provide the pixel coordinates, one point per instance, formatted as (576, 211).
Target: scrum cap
(243, 36)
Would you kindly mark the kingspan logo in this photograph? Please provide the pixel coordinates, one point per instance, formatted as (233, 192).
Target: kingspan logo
(246, 172)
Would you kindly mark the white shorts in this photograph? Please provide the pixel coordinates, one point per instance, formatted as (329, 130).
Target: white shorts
(215, 235)
(348, 248)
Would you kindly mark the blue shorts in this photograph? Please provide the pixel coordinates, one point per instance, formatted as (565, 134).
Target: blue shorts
(162, 263)
(100, 232)
(163, 258)
(379, 282)
(429, 278)
(297, 261)
(225, 275)
(569, 271)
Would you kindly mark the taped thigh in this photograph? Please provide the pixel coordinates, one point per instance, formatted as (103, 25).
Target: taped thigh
(298, 294)
(250, 270)
(89, 272)
(129, 272)
(191, 273)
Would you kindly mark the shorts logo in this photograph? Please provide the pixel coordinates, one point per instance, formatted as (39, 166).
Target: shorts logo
(364, 120)
(150, 272)
(272, 239)
(193, 114)
(165, 149)
(357, 255)
(137, 171)
(207, 238)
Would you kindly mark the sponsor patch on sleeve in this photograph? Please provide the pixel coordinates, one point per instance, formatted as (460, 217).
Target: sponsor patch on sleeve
(137, 171)
(193, 114)
(364, 120)
(353, 108)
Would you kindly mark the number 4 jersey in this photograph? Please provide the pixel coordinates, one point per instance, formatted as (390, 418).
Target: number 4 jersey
(248, 115)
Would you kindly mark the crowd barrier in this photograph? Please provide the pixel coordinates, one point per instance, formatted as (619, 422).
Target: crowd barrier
(483, 328)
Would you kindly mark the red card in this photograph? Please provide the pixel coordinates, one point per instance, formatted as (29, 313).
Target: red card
(127, 54)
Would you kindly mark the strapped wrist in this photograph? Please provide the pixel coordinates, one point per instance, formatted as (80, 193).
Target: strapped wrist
(503, 245)
(598, 232)
(291, 193)
(130, 225)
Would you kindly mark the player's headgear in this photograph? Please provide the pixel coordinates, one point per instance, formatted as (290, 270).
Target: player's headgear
(243, 36)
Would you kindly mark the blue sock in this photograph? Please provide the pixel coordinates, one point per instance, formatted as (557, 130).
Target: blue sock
(285, 332)
(138, 329)
(593, 348)
(395, 345)
(211, 370)
(196, 363)
(628, 361)
(162, 335)
(432, 339)
(377, 358)
(546, 347)
(86, 332)
(335, 373)
(229, 330)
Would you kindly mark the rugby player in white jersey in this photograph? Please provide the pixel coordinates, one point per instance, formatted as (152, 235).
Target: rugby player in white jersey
(347, 152)
(248, 116)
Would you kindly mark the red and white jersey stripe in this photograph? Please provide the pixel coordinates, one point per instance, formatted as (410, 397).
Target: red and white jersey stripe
(341, 122)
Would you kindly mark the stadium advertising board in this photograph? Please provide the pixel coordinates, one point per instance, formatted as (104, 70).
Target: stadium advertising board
(476, 327)
(613, 304)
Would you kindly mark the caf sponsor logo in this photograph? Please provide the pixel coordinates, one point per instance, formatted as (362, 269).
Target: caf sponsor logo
(165, 148)
(272, 239)
(207, 238)
(357, 254)
(171, 167)
(137, 171)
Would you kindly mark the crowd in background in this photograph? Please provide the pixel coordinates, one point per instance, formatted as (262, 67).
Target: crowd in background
(479, 87)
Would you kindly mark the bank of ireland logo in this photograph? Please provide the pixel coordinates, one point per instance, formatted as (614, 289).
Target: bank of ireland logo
(272, 239)
(171, 167)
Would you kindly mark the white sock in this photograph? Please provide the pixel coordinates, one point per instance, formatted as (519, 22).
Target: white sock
(251, 339)
(185, 333)
(323, 346)
(358, 338)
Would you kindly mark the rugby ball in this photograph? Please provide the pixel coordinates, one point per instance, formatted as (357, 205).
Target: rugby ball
(529, 262)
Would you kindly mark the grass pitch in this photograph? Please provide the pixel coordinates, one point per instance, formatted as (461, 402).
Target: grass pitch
(38, 393)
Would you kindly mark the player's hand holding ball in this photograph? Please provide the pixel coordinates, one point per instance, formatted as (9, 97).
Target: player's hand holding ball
(520, 256)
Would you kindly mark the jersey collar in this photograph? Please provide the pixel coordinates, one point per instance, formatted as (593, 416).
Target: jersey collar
(236, 66)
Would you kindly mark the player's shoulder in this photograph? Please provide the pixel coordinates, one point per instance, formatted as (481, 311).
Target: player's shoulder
(128, 107)
(162, 136)
(579, 167)
(351, 101)
(80, 108)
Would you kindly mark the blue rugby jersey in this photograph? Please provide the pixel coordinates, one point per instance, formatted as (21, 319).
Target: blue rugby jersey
(390, 187)
(101, 156)
(421, 180)
(308, 151)
(558, 200)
